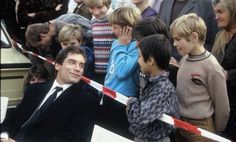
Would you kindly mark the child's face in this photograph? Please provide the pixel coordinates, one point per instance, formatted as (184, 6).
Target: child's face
(182, 45)
(71, 42)
(37, 80)
(143, 65)
(98, 12)
(116, 29)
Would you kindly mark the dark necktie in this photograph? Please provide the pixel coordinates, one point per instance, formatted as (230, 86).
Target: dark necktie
(37, 113)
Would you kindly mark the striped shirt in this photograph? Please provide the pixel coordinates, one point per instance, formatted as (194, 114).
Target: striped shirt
(102, 40)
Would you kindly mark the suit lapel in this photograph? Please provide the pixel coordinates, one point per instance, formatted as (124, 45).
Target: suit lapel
(36, 98)
(64, 99)
(189, 5)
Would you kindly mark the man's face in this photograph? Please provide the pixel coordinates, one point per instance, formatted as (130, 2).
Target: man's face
(71, 70)
(98, 12)
(46, 40)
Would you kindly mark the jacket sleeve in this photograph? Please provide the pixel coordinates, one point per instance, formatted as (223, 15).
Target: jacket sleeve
(142, 113)
(51, 12)
(43, 11)
(218, 92)
(126, 60)
(22, 17)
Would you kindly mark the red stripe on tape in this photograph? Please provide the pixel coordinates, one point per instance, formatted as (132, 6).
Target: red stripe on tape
(186, 126)
(109, 92)
(50, 61)
(85, 79)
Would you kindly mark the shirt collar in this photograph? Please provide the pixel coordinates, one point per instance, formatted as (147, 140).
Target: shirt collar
(64, 86)
(156, 77)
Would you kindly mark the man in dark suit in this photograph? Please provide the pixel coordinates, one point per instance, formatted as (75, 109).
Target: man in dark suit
(69, 118)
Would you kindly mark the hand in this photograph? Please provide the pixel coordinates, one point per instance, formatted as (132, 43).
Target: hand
(125, 35)
(173, 62)
(7, 140)
(58, 7)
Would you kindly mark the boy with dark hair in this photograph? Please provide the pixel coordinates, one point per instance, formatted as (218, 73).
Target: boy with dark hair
(158, 96)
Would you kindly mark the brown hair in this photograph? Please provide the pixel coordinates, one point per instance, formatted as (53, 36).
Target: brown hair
(33, 32)
(64, 53)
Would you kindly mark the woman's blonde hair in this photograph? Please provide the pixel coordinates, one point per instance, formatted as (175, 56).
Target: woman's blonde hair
(125, 16)
(224, 35)
(187, 24)
(70, 31)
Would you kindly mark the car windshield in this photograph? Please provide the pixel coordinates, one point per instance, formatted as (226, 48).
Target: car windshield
(5, 42)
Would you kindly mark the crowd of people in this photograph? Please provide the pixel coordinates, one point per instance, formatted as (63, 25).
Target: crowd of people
(174, 57)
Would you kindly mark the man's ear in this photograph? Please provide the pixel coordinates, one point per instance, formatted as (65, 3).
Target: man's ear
(42, 36)
(57, 66)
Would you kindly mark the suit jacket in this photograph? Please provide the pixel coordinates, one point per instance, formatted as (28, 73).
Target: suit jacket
(203, 8)
(44, 11)
(69, 119)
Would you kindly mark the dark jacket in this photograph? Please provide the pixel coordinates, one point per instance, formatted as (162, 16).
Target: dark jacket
(69, 119)
(229, 64)
(44, 9)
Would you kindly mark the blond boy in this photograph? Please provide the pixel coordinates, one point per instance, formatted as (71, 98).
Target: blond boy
(201, 83)
(70, 35)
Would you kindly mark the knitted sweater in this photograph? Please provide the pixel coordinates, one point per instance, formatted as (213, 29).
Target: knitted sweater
(102, 40)
(159, 97)
(201, 89)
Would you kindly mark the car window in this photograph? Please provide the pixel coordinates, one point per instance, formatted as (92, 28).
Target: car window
(5, 42)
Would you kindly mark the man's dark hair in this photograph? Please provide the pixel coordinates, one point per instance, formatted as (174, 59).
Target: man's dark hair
(33, 32)
(64, 53)
(150, 26)
(158, 47)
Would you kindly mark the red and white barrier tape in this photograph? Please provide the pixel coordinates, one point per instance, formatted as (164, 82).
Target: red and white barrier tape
(165, 118)
(123, 99)
(32, 53)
